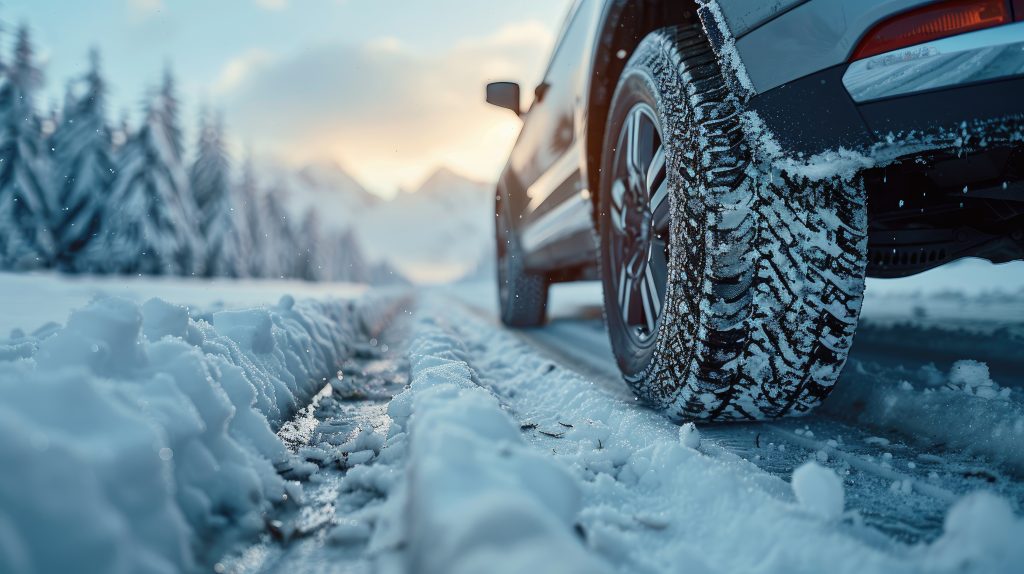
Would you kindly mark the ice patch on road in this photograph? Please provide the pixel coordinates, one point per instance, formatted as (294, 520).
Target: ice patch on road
(136, 436)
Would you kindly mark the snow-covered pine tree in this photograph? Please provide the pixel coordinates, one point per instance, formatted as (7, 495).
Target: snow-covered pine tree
(168, 113)
(221, 219)
(352, 263)
(254, 238)
(26, 239)
(280, 252)
(83, 165)
(342, 258)
(149, 223)
(121, 133)
(309, 264)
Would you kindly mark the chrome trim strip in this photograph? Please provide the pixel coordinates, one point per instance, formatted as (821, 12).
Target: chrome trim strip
(565, 167)
(568, 218)
(973, 57)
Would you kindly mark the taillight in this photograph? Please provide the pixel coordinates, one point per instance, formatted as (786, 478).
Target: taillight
(933, 22)
(1018, 10)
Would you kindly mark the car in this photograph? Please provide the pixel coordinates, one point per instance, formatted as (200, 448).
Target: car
(732, 171)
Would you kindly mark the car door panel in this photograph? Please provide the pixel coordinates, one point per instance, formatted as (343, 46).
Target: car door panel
(550, 131)
(548, 158)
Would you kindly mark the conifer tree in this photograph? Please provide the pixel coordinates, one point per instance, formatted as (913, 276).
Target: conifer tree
(279, 246)
(149, 223)
(26, 239)
(252, 213)
(220, 216)
(83, 165)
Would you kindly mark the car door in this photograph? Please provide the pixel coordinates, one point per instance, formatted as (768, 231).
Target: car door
(548, 156)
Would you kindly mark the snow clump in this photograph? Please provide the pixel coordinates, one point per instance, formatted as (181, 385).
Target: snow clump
(819, 491)
(689, 436)
(980, 533)
(972, 378)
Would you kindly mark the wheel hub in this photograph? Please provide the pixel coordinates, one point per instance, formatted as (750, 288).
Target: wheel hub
(639, 229)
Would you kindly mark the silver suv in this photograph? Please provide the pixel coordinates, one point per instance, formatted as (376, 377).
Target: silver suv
(732, 170)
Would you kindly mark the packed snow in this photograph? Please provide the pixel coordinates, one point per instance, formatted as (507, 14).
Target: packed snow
(475, 497)
(143, 435)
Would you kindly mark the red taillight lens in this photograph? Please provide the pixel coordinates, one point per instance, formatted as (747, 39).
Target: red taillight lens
(1018, 10)
(933, 22)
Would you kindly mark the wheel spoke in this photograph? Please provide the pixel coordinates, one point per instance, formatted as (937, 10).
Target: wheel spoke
(633, 143)
(657, 270)
(634, 259)
(618, 198)
(650, 300)
(625, 289)
(661, 208)
(654, 172)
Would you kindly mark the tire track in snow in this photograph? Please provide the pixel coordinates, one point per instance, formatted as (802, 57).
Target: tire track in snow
(328, 528)
(899, 489)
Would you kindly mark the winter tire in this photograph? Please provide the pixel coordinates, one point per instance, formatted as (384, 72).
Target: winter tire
(732, 289)
(522, 296)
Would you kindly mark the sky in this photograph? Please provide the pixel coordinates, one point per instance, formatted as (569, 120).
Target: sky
(389, 89)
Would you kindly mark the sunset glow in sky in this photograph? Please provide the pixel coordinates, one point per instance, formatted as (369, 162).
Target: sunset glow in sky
(389, 88)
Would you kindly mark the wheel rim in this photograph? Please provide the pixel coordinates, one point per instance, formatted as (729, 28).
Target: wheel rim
(640, 219)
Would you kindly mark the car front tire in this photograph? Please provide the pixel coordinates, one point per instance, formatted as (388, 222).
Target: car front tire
(732, 290)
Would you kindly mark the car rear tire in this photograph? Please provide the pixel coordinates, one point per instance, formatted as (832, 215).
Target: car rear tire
(522, 295)
(732, 289)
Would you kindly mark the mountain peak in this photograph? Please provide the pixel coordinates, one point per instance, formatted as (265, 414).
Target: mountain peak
(445, 180)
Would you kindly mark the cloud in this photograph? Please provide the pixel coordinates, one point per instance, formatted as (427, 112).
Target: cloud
(272, 4)
(145, 8)
(238, 70)
(383, 108)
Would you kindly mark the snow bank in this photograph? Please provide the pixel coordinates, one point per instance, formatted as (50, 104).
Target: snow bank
(474, 497)
(135, 436)
(963, 409)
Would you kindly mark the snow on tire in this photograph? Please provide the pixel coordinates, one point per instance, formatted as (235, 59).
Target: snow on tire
(765, 269)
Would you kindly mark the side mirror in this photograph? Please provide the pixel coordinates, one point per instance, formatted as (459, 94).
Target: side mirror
(504, 95)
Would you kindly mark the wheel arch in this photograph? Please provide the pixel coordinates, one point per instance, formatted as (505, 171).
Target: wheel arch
(624, 24)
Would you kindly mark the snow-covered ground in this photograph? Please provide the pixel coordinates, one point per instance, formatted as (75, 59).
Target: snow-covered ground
(446, 443)
(30, 301)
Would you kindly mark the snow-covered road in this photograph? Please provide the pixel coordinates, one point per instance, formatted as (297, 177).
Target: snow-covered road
(447, 443)
(523, 451)
(903, 469)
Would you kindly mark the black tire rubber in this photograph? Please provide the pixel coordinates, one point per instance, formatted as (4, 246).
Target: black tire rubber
(766, 270)
(522, 295)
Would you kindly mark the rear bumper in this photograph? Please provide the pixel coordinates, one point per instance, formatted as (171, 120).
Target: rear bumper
(817, 113)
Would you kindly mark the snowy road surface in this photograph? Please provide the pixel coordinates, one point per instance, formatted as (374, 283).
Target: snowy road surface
(446, 443)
